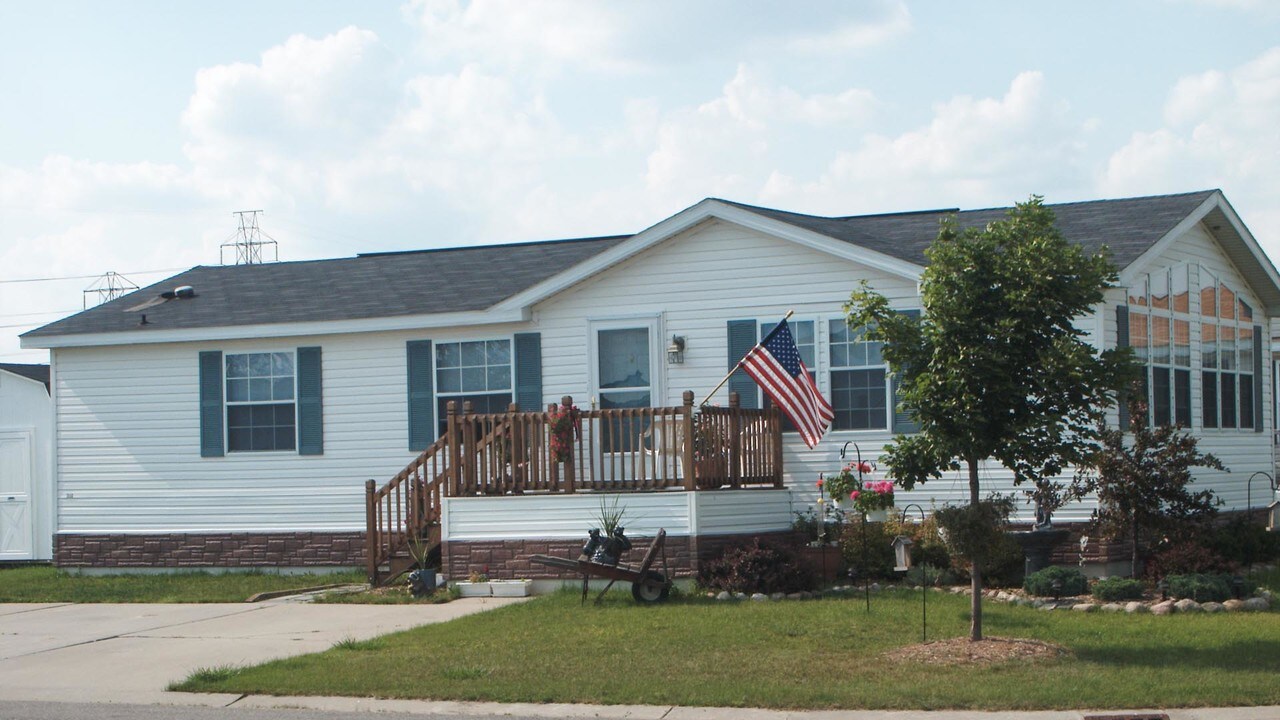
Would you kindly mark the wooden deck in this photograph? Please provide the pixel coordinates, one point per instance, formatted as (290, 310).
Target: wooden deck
(617, 450)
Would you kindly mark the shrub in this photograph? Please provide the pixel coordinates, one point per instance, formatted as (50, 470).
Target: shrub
(1200, 587)
(1186, 558)
(1041, 582)
(1006, 565)
(875, 560)
(1113, 589)
(1245, 543)
(976, 532)
(756, 568)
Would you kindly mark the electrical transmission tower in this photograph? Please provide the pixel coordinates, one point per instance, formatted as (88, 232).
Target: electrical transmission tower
(248, 242)
(107, 288)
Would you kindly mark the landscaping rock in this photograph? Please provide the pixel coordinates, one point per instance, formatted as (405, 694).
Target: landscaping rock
(759, 597)
(739, 596)
(1162, 608)
(1213, 607)
(1233, 605)
(806, 595)
(777, 596)
(1112, 608)
(795, 596)
(875, 587)
(724, 595)
(1187, 605)
(1133, 606)
(1084, 607)
(1049, 606)
(1256, 604)
(1003, 596)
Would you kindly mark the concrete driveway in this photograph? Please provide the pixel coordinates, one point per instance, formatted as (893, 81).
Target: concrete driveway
(129, 653)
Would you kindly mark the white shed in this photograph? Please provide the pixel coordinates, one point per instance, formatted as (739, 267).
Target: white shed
(26, 463)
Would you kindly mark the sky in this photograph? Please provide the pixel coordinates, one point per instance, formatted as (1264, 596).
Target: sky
(131, 131)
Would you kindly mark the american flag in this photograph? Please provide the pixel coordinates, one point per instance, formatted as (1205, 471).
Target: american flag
(776, 367)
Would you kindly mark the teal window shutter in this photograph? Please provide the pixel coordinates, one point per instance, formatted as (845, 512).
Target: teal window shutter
(422, 415)
(1122, 341)
(211, 404)
(528, 360)
(310, 404)
(742, 337)
(903, 422)
(1257, 378)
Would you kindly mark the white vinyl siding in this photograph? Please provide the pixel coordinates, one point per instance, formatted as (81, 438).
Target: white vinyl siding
(128, 454)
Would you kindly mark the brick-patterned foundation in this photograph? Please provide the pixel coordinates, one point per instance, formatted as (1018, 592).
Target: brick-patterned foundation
(506, 559)
(192, 550)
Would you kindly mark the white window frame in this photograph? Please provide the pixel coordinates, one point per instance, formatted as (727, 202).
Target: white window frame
(438, 395)
(829, 390)
(227, 403)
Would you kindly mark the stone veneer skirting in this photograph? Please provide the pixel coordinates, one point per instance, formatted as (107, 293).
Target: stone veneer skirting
(195, 550)
(506, 559)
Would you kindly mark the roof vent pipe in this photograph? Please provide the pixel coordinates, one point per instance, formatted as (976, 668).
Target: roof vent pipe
(184, 291)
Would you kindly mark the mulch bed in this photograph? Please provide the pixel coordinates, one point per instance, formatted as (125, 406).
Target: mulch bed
(988, 651)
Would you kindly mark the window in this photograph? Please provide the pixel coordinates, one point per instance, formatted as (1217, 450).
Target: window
(477, 371)
(1227, 362)
(806, 343)
(859, 380)
(1160, 334)
(623, 372)
(261, 410)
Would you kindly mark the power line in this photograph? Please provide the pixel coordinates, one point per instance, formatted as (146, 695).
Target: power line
(33, 314)
(89, 277)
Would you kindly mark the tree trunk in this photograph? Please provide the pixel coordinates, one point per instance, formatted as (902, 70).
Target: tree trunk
(1133, 557)
(975, 602)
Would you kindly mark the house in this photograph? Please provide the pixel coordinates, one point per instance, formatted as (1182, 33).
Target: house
(284, 414)
(26, 463)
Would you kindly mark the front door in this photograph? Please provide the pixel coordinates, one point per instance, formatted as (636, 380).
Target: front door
(624, 376)
(15, 495)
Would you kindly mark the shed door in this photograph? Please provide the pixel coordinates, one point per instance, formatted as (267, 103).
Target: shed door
(15, 495)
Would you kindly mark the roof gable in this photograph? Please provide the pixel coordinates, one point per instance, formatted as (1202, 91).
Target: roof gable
(36, 372)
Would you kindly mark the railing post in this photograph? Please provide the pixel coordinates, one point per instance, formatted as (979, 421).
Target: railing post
(690, 470)
(515, 434)
(735, 441)
(455, 457)
(468, 448)
(775, 438)
(370, 532)
(569, 479)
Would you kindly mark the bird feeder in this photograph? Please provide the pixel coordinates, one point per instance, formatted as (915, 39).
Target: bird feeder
(902, 553)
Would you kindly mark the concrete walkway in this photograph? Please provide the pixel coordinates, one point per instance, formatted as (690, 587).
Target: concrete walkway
(129, 653)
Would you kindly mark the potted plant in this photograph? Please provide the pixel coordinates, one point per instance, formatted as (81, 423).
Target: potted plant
(422, 580)
(607, 543)
(476, 585)
(510, 588)
(852, 490)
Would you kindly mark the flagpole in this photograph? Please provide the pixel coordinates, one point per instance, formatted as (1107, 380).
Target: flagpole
(729, 374)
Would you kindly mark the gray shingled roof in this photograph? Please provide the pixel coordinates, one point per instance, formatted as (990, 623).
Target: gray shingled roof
(1127, 227)
(460, 279)
(366, 286)
(39, 373)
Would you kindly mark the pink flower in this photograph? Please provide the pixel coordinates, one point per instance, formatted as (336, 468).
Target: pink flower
(819, 483)
(853, 495)
(864, 467)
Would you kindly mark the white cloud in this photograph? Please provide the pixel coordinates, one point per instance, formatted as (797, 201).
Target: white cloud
(890, 21)
(1220, 131)
(973, 152)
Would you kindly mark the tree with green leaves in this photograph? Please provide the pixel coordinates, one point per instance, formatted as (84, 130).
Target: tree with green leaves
(1141, 480)
(995, 367)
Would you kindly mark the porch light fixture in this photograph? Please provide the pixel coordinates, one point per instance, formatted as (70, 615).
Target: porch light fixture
(675, 351)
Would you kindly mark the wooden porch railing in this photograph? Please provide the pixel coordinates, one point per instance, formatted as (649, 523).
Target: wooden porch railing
(612, 450)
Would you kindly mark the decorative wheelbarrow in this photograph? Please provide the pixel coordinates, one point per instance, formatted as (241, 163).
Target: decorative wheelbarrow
(647, 585)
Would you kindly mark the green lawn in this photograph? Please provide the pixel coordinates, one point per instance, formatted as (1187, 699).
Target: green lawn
(46, 584)
(812, 654)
